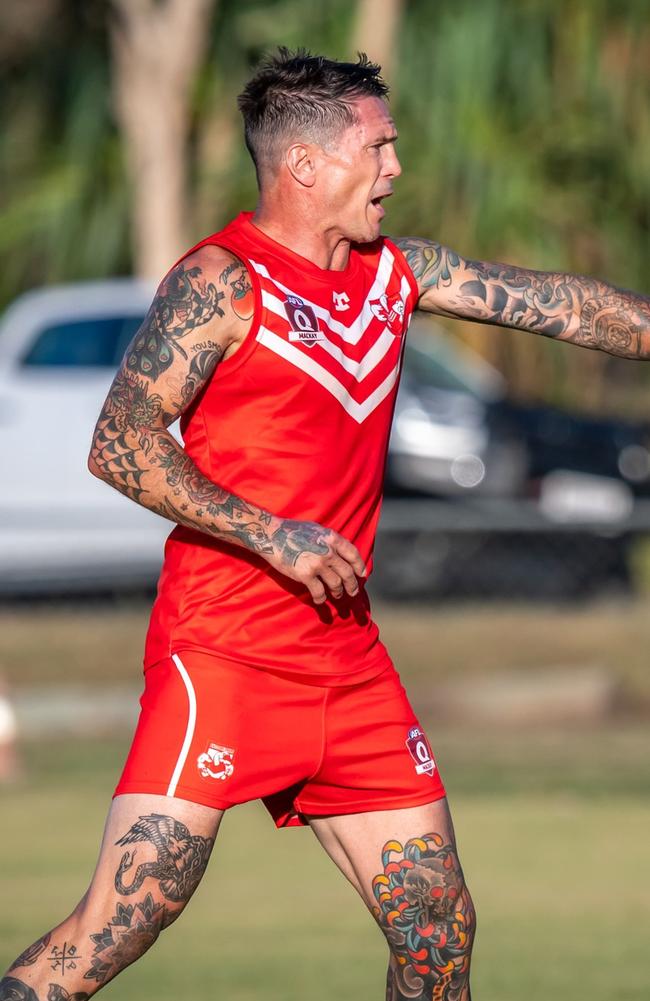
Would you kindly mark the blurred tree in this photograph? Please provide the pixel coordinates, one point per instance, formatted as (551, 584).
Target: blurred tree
(524, 136)
(377, 31)
(157, 47)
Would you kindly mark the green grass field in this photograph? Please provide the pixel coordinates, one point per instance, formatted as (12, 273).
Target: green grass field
(552, 828)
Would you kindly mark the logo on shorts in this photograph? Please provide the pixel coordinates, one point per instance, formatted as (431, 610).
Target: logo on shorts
(420, 751)
(304, 325)
(217, 762)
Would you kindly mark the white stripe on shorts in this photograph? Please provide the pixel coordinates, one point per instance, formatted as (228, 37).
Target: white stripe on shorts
(191, 723)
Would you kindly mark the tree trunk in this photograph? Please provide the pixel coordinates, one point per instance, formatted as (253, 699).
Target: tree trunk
(376, 32)
(157, 46)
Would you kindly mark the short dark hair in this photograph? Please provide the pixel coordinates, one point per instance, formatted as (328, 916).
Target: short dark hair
(295, 95)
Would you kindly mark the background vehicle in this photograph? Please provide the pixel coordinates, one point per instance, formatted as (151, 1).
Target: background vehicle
(60, 527)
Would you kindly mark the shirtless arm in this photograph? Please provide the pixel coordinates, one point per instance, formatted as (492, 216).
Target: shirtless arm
(567, 307)
(189, 328)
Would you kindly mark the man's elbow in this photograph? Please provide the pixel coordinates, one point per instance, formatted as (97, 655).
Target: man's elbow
(94, 466)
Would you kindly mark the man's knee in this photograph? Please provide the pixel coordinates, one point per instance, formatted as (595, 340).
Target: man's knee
(426, 912)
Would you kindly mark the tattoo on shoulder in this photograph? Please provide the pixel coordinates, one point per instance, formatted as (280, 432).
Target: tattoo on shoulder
(430, 262)
(242, 299)
(186, 301)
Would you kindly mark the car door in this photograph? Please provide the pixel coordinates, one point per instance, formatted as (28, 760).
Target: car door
(60, 525)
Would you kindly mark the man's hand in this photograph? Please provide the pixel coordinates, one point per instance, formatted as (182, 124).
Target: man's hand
(566, 307)
(317, 557)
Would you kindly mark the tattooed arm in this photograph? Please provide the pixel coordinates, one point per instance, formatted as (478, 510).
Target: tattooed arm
(201, 314)
(568, 307)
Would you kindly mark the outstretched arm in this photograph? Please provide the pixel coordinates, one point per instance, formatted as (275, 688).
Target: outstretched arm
(195, 320)
(568, 307)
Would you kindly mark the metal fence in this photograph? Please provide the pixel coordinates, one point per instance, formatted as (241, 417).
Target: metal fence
(483, 549)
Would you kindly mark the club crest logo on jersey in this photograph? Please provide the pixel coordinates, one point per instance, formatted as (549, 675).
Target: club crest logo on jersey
(304, 325)
(420, 751)
(390, 310)
(341, 301)
(216, 762)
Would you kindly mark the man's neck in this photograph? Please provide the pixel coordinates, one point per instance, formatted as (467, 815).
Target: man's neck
(303, 236)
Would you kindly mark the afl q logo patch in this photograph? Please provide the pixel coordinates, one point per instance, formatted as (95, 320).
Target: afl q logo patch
(304, 325)
(420, 751)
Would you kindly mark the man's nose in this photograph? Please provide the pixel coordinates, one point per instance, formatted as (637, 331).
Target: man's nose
(392, 166)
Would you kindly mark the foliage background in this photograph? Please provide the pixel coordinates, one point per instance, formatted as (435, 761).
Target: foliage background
(525, 136)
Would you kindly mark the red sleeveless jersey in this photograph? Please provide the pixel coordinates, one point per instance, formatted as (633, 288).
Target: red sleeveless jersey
(296, 421)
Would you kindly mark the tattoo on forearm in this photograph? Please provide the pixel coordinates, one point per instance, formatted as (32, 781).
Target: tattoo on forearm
(186, 301)
(32, 953)
(427, 916)
(130, 932)
(567, 307)
(181, 857)
(12, 989)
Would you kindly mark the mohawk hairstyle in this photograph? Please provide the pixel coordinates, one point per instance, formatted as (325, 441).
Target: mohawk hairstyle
(295, 95)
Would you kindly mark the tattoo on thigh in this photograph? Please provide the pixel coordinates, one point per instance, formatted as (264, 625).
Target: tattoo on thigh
(31, 954)
(15, 990)
(426, 913)
(128, 935)
(180, 862)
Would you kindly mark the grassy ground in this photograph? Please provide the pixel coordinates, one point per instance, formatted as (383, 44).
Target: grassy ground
(560, 879)
(428, 643)
(552, 826)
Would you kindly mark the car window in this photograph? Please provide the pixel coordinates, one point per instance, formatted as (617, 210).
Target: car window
(430, 371)
(88, 343)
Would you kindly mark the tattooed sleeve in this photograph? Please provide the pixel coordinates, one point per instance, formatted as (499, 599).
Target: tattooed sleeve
(199, 312)
(567, 307)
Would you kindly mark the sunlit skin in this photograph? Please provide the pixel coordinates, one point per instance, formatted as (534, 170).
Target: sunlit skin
(323, 198)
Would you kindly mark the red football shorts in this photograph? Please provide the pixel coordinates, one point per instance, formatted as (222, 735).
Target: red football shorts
(220, 733)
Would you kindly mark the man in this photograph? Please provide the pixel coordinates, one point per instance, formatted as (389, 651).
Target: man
(278, 342)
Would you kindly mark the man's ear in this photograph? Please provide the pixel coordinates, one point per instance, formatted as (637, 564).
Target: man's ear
(301, 163)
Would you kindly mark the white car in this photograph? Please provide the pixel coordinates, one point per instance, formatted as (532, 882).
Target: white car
(60, 527)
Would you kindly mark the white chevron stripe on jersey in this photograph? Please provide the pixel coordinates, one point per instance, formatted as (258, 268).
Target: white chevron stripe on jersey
(353, 332)
(292, 354)
(358, 369)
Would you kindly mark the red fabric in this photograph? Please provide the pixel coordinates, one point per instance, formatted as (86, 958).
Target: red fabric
(304, 749)
(297, 422)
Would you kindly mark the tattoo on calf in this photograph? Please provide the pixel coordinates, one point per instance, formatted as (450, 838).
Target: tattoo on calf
(32, 953)
(12, 989)
(187, 301)
(181, 857)
(64, 958)
(58, 993)
(128, 935)
(426, 913)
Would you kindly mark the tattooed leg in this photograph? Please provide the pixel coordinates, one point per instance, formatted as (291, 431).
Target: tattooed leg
(405, 866)
(169, 843)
